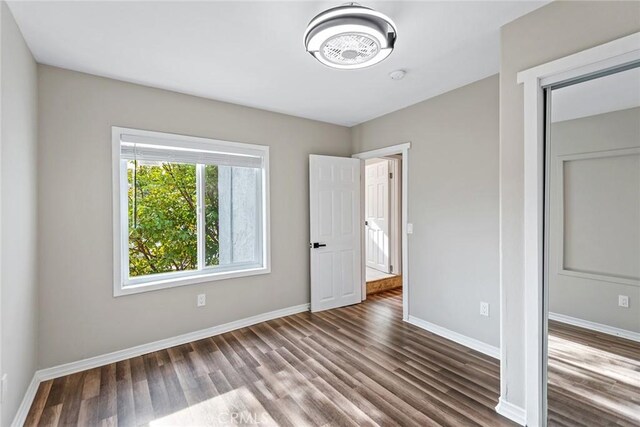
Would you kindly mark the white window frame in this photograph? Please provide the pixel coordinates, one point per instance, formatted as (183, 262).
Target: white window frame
(122, 283)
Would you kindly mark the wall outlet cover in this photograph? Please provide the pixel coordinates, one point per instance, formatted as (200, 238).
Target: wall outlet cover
(202, 300)
(623, 301)
(484, 309)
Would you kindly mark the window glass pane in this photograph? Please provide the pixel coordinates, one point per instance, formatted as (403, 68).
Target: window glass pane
(162, 217)
(211, 218)
(238, 215)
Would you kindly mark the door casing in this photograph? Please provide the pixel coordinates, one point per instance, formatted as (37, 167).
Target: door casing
(607, 56)
(403, 150)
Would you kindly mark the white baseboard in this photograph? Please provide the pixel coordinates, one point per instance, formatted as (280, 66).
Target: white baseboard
(598, 327)
(116, 356)
(464, 340)
(25, 405)
(511, 411)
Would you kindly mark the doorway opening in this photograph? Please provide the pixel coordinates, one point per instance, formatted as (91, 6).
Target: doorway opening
(338, 261)
(385, 263)
(382, 224)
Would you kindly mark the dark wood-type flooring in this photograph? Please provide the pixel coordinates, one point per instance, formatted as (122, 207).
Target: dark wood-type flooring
(358, 365)
(594, 378)
(354, 366)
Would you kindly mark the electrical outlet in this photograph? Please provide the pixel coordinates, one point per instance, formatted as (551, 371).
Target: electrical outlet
(623, 301)
(409, 228)
(202, 300)
(484, 309)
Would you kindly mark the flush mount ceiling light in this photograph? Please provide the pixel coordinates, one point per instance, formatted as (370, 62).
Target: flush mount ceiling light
(350, 36)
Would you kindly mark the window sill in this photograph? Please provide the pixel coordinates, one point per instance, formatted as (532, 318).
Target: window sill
(174, 282)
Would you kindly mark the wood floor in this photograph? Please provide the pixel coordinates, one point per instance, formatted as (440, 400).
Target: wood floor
(354, 366)
(594, 378)
(359, 365)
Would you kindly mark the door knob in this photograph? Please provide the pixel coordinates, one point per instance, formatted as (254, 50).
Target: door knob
(317, 245)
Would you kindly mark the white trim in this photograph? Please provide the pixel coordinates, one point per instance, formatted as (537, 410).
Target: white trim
(189, 278)
(601, 277)
(602, 57)
(562, 270)
(509, 410)
(593, 326)
(122, 284)
(599, 58)
(116, 356)
(456, 337)
(533, 252)
(402, 149)
(2, 398)
(27, 400)
(383, 152)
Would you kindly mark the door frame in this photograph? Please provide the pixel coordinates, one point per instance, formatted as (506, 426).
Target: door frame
(403, 150)
(585, 63)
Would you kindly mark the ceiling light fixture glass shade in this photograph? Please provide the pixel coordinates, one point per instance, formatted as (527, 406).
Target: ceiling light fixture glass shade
(350, 36)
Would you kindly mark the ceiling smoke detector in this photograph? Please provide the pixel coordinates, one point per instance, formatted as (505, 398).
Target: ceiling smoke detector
(350, 36)
(397, 74)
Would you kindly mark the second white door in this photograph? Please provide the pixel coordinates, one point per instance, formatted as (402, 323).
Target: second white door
(336, 273)
(377, 214)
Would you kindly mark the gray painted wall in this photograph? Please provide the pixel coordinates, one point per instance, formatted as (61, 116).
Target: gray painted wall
(453, 204)
(601, 219)
(18, 216)
(453, 187)
(551, 32)
(79, 317)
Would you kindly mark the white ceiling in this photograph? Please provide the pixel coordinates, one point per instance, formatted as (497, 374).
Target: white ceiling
(614, 92)
(251, 53)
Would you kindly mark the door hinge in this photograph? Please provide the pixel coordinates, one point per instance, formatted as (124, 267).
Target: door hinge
(390, 175)
(391, 269)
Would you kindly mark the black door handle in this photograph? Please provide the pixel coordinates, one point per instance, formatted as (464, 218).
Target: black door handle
(317, 245)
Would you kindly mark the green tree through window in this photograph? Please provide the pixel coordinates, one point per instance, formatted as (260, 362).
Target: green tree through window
(162, 212)
(211, 216)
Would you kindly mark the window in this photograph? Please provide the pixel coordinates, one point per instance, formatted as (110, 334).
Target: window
(187, 210)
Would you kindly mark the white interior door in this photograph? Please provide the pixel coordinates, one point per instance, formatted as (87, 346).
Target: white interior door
(335, 247)
(377, 215)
